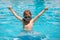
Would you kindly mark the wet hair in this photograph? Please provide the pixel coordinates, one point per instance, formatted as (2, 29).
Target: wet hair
(26, 11)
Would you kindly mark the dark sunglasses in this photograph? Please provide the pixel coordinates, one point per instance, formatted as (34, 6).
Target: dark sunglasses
(27, 17)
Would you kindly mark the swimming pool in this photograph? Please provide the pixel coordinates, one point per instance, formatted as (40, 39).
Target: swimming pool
(48, 23)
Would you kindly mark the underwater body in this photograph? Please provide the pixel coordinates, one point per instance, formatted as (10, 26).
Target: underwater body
(30, 35)
(48, 24)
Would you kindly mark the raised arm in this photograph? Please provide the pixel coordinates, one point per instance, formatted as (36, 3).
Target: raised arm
(35, 18)
(15, 14)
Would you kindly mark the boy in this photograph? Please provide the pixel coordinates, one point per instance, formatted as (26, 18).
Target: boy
(28, 21)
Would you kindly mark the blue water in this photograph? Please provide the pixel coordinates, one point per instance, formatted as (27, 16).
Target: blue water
(48, 23)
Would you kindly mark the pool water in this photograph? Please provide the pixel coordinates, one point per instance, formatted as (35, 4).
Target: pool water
(48, 23)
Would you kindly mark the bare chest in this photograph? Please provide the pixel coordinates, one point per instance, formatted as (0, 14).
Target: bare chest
(27, 25)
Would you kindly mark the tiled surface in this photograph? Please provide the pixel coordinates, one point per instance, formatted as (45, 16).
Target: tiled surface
(48, 23)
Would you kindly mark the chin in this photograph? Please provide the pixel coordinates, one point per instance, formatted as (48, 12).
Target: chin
(28, 21)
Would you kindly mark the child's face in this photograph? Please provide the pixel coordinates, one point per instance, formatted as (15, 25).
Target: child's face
(27, 18)
(27, 15)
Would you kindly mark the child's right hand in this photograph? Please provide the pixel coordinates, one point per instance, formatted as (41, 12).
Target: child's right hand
(10, 7)
(46, 8)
